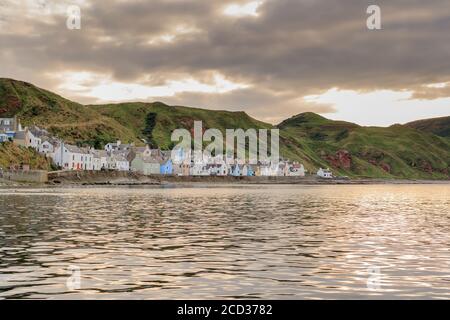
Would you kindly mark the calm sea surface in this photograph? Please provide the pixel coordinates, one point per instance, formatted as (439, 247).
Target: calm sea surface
(275, 242)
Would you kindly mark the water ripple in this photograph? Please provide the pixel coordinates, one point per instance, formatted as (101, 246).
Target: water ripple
(244, 242)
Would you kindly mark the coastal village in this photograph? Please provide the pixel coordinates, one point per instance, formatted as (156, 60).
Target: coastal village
(118, 156)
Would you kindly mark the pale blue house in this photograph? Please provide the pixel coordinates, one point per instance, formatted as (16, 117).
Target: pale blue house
(166, 167)
(3, 137)
(11, 134)
(236, 171)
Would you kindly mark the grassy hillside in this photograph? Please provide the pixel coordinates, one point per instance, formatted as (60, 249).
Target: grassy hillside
(11, 154)
(69, 120)
(155, 122)
(437, 126)
(411, 151)
(396, 151)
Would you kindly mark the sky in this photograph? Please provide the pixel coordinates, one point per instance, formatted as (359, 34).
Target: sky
(270, 58)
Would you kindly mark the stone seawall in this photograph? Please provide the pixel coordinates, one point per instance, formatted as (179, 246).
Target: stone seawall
(99, 178)
(33, 176)
(124, 177)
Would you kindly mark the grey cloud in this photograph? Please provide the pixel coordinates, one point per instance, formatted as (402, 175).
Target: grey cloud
(260, 104)
(430, 93)
(294, 48)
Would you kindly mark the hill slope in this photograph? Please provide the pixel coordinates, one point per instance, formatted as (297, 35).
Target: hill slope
(11, 154)
(69, 120)
(437, 126)
(154, 122)
(349, 149)
(396, 151)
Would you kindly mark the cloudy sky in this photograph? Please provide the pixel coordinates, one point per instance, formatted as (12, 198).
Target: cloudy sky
(270, 58)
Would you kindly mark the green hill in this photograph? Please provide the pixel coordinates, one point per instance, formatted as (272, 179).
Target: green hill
(154, 122)
(72, 121)
(11, 154)
(394, 152)
(437, 126)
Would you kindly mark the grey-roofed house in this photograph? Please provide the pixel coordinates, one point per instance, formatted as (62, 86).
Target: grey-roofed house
(146, 165)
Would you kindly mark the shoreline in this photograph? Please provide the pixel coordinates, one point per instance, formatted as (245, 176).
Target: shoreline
(123, 179)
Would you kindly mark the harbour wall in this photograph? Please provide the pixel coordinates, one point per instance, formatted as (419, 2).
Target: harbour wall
(32, 176)
(126, 177)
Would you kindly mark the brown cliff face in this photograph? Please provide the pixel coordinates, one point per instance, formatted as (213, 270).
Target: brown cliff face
(386, 167)
(341, 160)
(10, 107)
(426, 166)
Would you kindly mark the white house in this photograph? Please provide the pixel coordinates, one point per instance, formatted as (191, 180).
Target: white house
(218, 169)
(46, 147)
(27, 139)
(33, 140)
(297, 170)
(268, 170)
(118, 162)
(199, 169)
(100, 160)
(110, 147)
(71, 157)
(324, 173)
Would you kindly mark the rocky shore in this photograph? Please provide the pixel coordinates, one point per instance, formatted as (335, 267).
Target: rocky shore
(131, 178)
(117, 178)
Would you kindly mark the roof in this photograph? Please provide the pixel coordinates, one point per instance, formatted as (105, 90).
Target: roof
(124, 147)
(150, 160)
(139, 149)
(38, 132)
(75, 149)
(118, 157)
(20, 135)
(122, 153)
(147, 159)
(167, 154)
(99, 153)
(53, 141)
